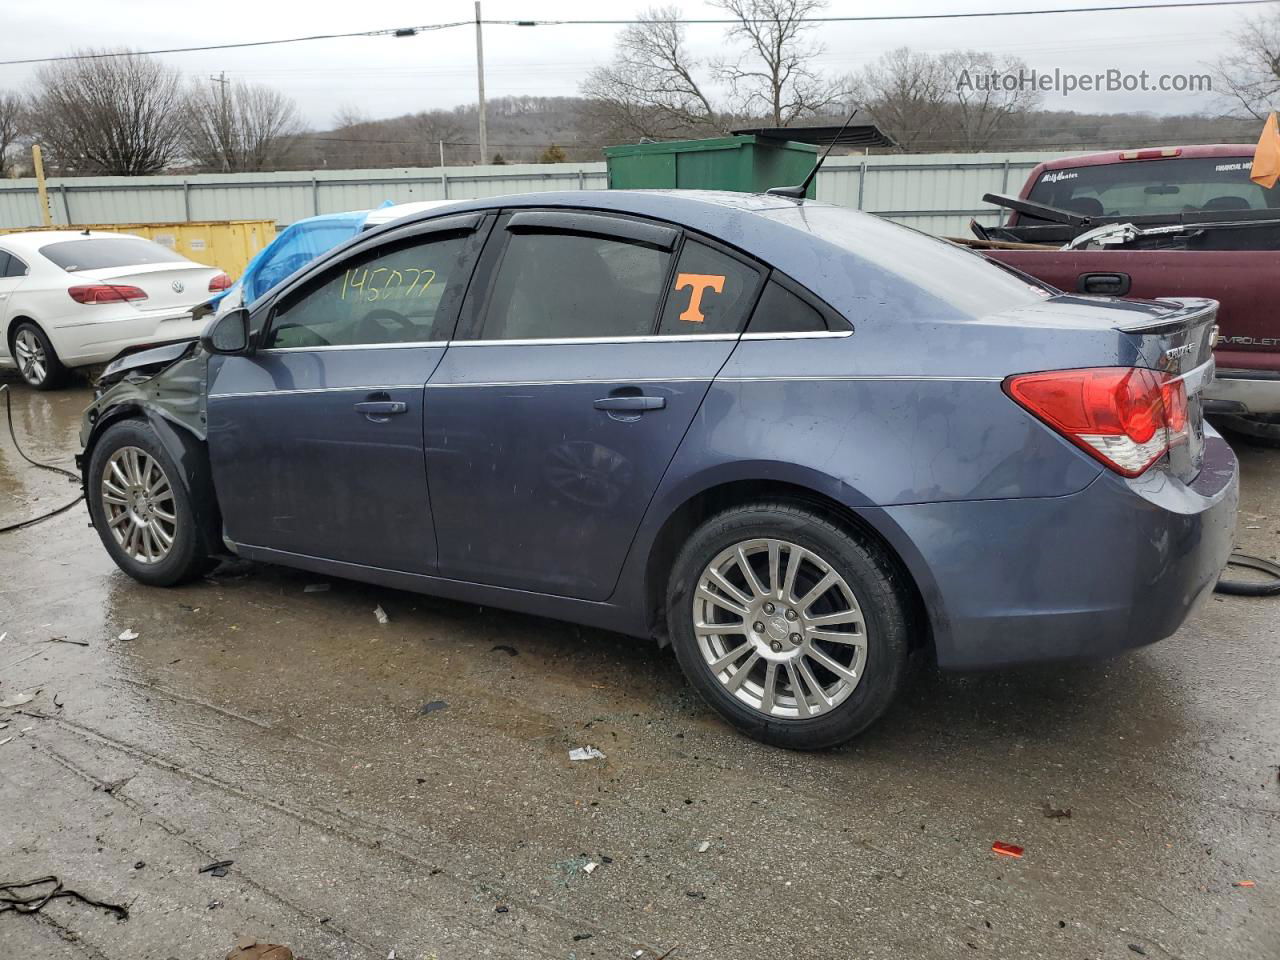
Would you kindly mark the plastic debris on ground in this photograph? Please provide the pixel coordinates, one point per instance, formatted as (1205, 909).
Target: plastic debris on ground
(130, 634)
(216, 869)
(432, 707)
(590, 867)
(1006, 849)
(316, 588)
(1244, 883)
(704, 846)
(585, 753)
(17, 700)
(381, 614)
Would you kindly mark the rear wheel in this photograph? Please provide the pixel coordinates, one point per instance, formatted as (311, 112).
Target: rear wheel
(790, 627)
(36, 359)
(141, 509)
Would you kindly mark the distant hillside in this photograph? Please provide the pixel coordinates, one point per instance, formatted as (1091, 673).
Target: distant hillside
(524, 129)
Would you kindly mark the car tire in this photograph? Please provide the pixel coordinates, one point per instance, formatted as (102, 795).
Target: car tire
(866, 608)
(135, 511)
(1262, 430)
(35, 357)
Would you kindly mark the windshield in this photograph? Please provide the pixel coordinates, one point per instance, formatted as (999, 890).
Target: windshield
(98, 253)
(1179, 185)
(915, 275)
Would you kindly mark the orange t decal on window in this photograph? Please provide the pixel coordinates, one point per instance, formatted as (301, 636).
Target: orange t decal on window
(698, 282)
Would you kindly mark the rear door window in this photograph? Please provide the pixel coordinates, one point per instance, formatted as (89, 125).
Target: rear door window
(711, 293)
(1136, 187)
(567, 285)
(99, 253)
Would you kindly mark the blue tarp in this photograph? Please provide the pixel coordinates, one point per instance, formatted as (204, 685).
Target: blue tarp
(295, 247)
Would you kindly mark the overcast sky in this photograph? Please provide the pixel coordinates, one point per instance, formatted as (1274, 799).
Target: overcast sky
(386, 76)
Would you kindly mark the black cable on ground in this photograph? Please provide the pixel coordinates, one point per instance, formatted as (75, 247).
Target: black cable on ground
(8, 412)
(1251, 588)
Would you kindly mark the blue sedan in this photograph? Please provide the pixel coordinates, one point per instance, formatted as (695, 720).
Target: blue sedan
(798, 443)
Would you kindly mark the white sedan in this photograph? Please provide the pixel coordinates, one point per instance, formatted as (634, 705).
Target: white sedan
(73, 298)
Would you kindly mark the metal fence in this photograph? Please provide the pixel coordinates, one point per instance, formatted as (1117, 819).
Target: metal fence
(937, 193)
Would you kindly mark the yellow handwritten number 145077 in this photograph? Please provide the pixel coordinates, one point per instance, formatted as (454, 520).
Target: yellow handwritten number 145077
(365, 284)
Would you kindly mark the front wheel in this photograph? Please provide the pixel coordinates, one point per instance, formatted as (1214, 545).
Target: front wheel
(793, 629)
(141, 509)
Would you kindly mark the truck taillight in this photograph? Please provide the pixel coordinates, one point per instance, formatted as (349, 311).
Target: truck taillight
(219, 282)
(1160, 154)
(1125, 417)
(105, 293)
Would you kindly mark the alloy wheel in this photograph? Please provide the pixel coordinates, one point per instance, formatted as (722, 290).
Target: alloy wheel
(33, 364)
(138, 504)
(780, 629)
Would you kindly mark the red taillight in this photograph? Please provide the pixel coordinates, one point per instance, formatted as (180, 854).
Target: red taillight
(105, 293)
(220, 282)
(1127, 417)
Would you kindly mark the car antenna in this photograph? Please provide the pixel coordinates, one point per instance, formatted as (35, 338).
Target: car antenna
(797, 192)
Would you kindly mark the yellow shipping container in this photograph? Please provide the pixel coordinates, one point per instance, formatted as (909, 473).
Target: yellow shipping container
(226, 244)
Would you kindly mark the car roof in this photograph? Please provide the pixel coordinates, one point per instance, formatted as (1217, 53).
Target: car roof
(381, 215)
(1183, 153)
(773, 229)
(32, 240)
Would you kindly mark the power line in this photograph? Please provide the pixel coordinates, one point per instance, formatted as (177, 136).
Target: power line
(700, 21)
(390, 32)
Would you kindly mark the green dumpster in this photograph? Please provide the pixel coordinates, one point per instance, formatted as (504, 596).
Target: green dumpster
(746, 164)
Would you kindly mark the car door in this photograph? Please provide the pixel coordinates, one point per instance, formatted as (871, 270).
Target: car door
(586, 347)
(13, 272)
(316, 437)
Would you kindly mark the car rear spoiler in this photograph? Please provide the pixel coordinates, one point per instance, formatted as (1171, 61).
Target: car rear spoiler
(1187, 313)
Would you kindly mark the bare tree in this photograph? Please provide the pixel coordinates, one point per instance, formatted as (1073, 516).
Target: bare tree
(985, 100)
(906, 95)
(110, 112)
(248, 127)
(1250, 76)
(774, 76)
(652, 87)
(13, 121)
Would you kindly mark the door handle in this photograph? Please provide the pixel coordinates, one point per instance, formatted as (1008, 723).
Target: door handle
(379, 410)
(1108, 284)
(631, 402)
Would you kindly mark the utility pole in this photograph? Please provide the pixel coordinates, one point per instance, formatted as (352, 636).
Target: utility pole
(441, 153)
(42, 192)
(224, 120)
(484, 145)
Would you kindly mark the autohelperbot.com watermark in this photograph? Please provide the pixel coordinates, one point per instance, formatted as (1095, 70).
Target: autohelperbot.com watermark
(1065, 82)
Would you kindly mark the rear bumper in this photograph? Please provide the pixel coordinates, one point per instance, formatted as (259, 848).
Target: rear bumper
(100, 342)
(1118, 565)
(1239, 391)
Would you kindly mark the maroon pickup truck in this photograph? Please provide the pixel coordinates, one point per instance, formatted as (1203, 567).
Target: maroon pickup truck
(1164, 222)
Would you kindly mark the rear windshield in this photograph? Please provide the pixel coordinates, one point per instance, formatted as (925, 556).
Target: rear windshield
(1180, 185)
(98, 253)
(916, 275)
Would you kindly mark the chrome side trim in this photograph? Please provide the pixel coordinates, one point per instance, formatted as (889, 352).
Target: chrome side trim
(810, 335)
(564, 383)
(305, 390)
(570, 341)
(358, 346)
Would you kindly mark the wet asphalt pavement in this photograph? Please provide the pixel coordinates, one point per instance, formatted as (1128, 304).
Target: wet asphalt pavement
(282, 729)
